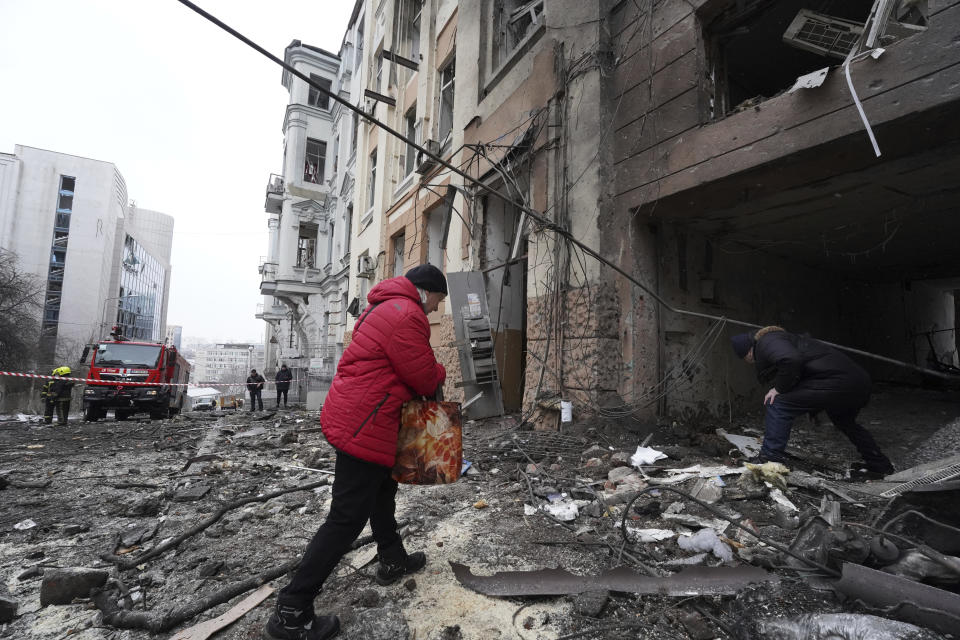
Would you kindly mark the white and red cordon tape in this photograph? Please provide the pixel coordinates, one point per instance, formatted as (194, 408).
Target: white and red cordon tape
(116, 383)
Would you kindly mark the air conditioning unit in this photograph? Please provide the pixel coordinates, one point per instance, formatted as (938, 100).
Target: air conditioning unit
(366, 267)
(822, 34)
(424, 162)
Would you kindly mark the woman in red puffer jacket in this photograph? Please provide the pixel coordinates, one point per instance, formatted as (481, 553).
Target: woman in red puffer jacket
(388, 362)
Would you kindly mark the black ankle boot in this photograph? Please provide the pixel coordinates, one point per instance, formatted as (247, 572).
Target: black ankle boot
(291, 623)
(389, 572)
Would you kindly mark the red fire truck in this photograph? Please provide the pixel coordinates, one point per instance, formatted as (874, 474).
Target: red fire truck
(120, 360)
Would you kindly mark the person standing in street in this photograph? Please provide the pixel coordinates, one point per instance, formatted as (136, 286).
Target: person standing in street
(807, 377)
(389, 361)
(283, 378)
(255, 387)
(56, 395)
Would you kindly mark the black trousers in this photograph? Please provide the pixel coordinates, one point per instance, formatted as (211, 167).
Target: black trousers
(255, 396)
(282, 392)
(361, 491)
(779, 420)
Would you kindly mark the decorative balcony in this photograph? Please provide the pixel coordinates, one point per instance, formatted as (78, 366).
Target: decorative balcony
(273, 312)
(301, 281)
(274, 198)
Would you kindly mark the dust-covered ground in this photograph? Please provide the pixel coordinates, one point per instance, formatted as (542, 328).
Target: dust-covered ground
(101, 495)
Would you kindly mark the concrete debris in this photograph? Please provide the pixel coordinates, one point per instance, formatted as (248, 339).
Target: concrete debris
(710, 490)
(191, 493)
(591, 603)
(842, 626)
(747, 445)
(23, 525)
(185, 546)
(8, 606)
(61, 586)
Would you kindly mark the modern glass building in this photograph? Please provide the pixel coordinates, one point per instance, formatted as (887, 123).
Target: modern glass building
(140, 300)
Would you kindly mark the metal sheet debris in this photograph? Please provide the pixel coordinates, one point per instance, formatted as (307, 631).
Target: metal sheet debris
(842, 626)
(691, 581)
(902, 598)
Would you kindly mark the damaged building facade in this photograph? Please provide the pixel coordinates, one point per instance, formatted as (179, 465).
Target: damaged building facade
(303, 271)
(676, 142)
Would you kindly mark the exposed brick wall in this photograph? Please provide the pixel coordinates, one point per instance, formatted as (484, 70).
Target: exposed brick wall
(445, 348)
(590, 360)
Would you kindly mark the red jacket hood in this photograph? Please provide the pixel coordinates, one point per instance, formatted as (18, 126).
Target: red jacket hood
(398, 287)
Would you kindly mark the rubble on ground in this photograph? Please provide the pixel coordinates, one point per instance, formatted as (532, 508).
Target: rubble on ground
(124, 530)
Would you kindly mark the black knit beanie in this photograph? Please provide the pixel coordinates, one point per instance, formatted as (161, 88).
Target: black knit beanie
(428, 278)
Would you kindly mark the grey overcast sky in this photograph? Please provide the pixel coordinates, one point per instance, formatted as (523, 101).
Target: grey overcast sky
(190, 115)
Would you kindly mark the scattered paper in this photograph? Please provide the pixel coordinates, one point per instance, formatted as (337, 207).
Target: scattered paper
(646, 456)
(650, 535)
(23, 525)
(716, 524)
(565, 510)
(782, 500)
(811, 80)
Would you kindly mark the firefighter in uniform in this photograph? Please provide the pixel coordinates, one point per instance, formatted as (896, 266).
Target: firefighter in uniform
(56, 393)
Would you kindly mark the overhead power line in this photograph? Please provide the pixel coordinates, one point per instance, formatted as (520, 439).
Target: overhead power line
(537, 216)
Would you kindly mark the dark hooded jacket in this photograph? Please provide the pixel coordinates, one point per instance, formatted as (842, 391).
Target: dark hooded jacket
(283, 378)
(806, 371)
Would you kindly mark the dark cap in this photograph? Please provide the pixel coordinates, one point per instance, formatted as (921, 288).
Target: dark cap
(742, 343)
(428, 278)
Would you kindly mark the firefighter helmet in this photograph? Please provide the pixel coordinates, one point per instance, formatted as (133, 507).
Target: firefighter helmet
(61, 371)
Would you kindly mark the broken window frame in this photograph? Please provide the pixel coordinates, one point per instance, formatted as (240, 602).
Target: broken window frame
(315, 97)
(411, 130)
(446, 97)
(513, 23)
(313, 161)
(372, 187)
(716, 38)
(306, 252)
(398, 242)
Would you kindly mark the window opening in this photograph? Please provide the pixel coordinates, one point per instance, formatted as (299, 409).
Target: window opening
(410, 126)
(330, 243)
(349, 229)
(514, 20)
(447, 80)
(757, 49)
(398, 244)
(434, 235)
(372, 188)
(317, 98)
(353, 134)
(306, 250)
(314, 160)
(359, 54)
